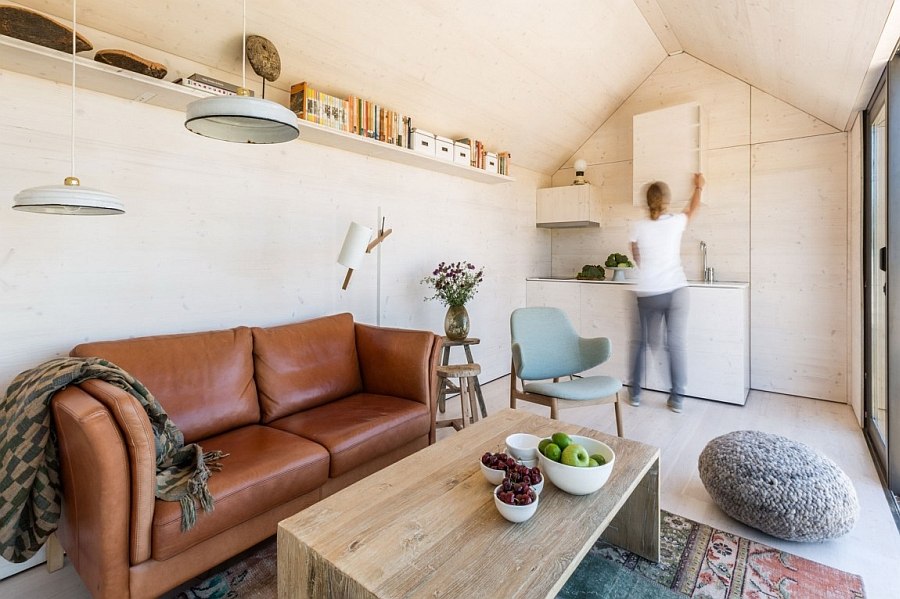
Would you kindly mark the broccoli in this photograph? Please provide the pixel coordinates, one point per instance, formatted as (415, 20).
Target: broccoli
(591, 273)
(618, 260)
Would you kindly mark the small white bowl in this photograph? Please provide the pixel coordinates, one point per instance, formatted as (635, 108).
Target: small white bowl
(575, 480)
(516, 513)
(522, 446)
(495, 477)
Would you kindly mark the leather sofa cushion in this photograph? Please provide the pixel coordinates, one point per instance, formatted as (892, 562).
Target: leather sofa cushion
(360, 428)
(266, 468)
(204, 381)
(306, 364)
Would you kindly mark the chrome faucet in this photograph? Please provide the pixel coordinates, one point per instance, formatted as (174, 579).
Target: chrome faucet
(708, 275)
(703, 252)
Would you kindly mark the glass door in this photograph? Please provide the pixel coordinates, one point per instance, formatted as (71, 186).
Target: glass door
(881, 268)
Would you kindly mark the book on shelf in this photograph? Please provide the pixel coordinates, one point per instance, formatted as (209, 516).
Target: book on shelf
(209, 84)
(503, 160)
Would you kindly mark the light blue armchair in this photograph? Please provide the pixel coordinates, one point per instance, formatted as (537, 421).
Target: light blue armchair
(546, 348)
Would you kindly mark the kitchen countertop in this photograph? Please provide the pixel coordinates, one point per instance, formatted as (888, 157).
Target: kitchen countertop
(714, 284)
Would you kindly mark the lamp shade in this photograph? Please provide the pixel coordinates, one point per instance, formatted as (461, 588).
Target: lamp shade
(241, 119)
(69, 198)
(355, 243)
(580, 165)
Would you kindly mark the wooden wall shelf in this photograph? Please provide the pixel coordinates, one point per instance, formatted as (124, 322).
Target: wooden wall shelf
(38, 61)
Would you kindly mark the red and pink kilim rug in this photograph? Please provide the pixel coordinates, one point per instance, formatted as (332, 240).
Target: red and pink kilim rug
(700, 561)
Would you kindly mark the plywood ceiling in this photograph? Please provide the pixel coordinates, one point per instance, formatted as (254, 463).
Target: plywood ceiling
(533, 78)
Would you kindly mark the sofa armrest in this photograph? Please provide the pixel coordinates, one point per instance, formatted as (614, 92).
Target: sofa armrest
(400, 363)
(95, 477)
(137, 434)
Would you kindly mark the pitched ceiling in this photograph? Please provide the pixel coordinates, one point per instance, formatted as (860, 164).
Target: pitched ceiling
(533, 78)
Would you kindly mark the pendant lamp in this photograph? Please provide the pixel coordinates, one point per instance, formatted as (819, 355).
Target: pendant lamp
(242, 118)
(70, 197)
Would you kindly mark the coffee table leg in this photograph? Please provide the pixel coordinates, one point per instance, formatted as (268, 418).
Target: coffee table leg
(636, 526)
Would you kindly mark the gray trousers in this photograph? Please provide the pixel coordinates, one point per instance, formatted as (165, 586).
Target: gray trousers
(669, 310)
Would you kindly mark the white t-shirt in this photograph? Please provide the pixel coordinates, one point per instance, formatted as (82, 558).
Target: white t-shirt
(659, 245)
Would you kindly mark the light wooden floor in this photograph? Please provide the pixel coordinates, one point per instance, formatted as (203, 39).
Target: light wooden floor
(871, 549)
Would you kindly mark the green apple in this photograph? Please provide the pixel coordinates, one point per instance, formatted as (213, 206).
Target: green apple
(544, 443)
(599, 459)
(552, 452)
(575, 455)
(562, 440)
(592, 463)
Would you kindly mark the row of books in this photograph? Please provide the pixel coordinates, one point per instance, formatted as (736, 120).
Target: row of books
(210, 85)
(352, 115)
(362, 117)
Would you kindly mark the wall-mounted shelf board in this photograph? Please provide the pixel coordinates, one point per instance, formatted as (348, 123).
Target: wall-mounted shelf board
(38, 61)
(46, 63)
(326, 136)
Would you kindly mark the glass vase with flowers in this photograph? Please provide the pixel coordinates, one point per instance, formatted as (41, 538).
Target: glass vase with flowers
(454, 284)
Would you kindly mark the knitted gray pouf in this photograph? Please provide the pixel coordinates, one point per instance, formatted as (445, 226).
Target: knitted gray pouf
(781, 487)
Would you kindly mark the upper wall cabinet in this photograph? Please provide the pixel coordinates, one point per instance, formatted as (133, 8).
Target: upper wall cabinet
(668, 146)
(567, 207)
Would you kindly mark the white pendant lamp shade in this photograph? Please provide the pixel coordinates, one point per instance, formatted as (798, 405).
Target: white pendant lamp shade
(241, 119)
(69, 198)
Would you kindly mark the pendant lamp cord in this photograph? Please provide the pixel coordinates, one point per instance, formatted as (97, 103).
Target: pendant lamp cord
(244, 48)
(74, 42)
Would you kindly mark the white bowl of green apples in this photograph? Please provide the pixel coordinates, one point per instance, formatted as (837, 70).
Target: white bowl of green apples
(575, 464)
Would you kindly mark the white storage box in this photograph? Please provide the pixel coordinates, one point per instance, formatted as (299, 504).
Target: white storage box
(422, 141)
(462, 153)
(443, 148)
(490, 162)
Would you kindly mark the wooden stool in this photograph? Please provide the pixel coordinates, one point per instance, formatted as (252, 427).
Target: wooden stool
(447, 385)
(468, 377)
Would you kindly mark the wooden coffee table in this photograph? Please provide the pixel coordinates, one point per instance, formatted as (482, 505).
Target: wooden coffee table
(427, 526)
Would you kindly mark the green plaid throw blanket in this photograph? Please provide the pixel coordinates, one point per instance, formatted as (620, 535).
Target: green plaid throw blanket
(29, 465)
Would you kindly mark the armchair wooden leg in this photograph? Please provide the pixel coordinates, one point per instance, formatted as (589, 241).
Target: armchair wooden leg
(554, 409)
(55, 554)
(512, 386)
(618, 417)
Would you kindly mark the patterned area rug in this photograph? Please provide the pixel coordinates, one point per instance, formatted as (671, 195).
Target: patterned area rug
(696, 561)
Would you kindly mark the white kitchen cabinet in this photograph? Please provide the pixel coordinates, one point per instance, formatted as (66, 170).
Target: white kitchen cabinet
(568, 207)
(718, 343)
(668, 146)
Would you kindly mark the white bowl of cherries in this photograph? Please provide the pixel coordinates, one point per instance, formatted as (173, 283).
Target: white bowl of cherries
(497, 466)
(517, 502)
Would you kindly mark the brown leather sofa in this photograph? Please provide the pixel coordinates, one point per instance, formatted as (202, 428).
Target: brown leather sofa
(303, 410)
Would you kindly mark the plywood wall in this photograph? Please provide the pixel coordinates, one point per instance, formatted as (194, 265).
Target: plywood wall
(756, 145)
(218, 235)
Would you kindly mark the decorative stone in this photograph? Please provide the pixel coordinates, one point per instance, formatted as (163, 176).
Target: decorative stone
(779, 486)
(131, 62)
(263, 57)
(34, 27)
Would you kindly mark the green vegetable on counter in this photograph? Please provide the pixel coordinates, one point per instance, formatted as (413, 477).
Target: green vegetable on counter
(591, 272)
(618, 261)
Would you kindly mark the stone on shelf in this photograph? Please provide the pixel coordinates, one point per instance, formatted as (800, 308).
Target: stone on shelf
(263, 57)
(131, 62)
(31, 26)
